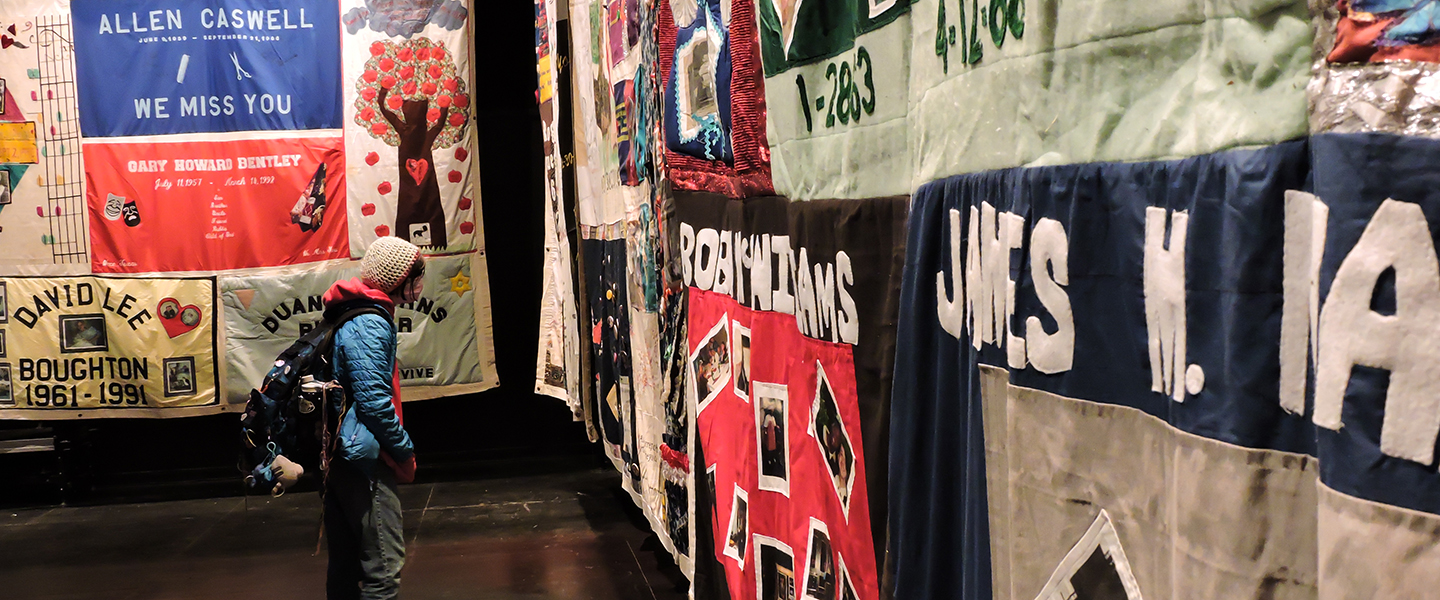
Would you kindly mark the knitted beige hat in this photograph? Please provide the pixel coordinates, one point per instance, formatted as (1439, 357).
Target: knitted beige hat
(387, 263)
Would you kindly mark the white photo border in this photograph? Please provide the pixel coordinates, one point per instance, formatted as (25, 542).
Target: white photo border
(821, 379)
(816, 525)
(722, 325)
(735, 362)
(730, 550)
(756, 541)
(771, 483)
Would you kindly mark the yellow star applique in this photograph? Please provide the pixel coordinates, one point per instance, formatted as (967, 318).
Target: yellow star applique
(460, 283)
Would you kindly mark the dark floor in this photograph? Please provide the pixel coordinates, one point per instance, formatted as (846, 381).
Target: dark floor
(573, 535)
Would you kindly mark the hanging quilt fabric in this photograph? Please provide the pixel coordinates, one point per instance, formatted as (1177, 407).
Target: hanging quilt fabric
(697, 95)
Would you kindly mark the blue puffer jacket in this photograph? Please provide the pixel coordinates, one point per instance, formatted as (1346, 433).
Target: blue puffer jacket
(364, 363)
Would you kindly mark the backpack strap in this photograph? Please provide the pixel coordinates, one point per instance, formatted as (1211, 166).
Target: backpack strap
(326, 347)
(327, 344)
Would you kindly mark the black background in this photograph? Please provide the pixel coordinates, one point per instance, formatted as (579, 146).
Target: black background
(497, 432)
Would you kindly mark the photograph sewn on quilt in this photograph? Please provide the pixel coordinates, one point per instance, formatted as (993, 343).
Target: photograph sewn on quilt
(736, 542)
(711, 365)
(828, 430)
(742, 361)
(821, 582)
(772, 406)
(775, 569)
(7, 389)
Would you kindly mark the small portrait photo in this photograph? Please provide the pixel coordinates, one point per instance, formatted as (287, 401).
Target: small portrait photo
(83, 333)
(179, 376)
(169, 308)
(820, 580)
(5, 188)
(7, 391)
(695, 85)
(739, 527)
(710, 365)
(771, 406)
(829, 432)
(4, 304)
(775, 578)
(2, 343)
(742, 361)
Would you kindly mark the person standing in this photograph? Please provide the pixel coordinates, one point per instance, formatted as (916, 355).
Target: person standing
(372, 451)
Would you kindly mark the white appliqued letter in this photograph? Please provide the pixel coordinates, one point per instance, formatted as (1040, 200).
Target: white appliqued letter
(975, 303)
(687, 252)
(952, 311)
(1305, 219)
(1165, 300)
(1012, 232)
(1406, 343)
(707, 258)
(1050, 249)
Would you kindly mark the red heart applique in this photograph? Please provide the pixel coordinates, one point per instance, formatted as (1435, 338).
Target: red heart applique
(8, 39)
(178, 320)
(418, 168)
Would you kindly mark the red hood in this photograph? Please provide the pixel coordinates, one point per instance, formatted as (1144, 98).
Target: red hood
(346, 290)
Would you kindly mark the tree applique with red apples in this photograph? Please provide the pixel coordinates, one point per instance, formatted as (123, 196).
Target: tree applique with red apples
(410, 97)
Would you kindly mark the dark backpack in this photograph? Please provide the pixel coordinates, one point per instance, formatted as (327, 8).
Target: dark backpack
(297, 408)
